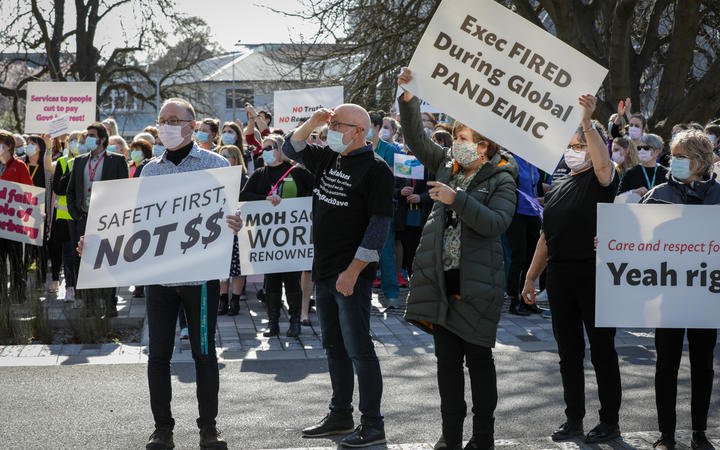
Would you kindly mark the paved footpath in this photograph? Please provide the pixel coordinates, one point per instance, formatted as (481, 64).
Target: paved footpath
(240, 337)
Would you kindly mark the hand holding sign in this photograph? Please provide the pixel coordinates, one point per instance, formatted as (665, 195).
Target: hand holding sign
(234, 221)
(404, 78)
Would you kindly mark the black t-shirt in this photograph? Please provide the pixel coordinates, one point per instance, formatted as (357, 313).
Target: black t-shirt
(635, 178)
(264, 178)
(348, 191)
(570, 218)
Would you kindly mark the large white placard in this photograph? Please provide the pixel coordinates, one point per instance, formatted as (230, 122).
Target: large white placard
(658, 266)
(425, 107)
(292, 107)
(21, 212)
(276, 239)
(160, 229)
(504, 77)
(48, 100)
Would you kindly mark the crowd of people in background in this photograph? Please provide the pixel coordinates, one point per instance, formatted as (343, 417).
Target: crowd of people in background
(483, 204)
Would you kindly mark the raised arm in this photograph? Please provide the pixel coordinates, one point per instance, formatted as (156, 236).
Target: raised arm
(427, 152)
(602, 165)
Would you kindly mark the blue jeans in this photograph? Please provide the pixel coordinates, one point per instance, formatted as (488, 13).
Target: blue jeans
(388, 271)
(345, 325)
(163, 303)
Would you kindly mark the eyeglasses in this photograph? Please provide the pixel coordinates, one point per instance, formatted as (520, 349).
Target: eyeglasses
(171, 122)
(335, 123)
(577, 146)
(270, 148)
(644, 147)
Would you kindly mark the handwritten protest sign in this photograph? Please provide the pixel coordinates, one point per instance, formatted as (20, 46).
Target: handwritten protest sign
(292, 107)
(657, 266)
(162, 229)
(48, 100)
(21, 212)
(408, 166)
(504, 77)
(276, 238)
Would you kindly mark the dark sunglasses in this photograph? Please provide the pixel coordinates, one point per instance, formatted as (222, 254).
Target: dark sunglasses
(269, 148)
(644, 147)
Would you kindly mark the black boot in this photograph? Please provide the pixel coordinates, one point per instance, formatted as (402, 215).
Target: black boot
(234, 305)
(223, 305)
(294, 302)
(272, 302)
(452, 431)
(516, 308)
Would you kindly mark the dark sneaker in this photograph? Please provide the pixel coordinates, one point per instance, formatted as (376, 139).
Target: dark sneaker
(442, 444)
(665, 443)
(602, 433)
(486, 443)
(161, 439)
(210, 438)
(700, 442)
(568, 430)
(330, 425)
(364, 436)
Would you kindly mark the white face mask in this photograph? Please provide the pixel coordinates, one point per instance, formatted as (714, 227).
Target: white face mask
(635, 132)
(575, 160)
(3, 149)
(618, 157)
(386, 134)
(645, 155)
(31, 149)
(171, 135)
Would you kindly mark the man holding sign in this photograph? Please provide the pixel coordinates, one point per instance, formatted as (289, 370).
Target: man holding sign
(352, 207)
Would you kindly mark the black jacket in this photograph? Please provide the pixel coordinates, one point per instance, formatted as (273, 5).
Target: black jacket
(114, 167)
(701, 192)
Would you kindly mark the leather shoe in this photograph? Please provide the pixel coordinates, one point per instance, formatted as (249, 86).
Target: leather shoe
(602, 433)
(365, 435)
(210, 438)
(442, 444)
(517, 310)
(568, 430)
(700, 442)
(161, 439)
(533, 308)
(666, 442)
(330, 425)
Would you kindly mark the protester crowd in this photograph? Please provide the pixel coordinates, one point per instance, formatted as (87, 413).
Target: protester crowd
(481, 226)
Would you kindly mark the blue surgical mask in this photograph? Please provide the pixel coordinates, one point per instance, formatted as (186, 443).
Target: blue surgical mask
(65, 152)
(228, 139)
(31, 149)
(83, 148)
(19, 151)
(158, 150)
(73, 145)
(712, 138)
(136, 156)
(112, 148)
(201, 137)
(369, 134)
(90, 143)
(269, 157)
(680, 168)
(335, 141)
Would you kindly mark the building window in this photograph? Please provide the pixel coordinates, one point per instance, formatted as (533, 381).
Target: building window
(242, 96)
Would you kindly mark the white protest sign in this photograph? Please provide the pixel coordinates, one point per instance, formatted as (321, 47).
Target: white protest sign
(292, 107)
(48, 100)
(58, 127)
(408, 166)
(658, 266)
(425, 107)
(276, 238)
(504, 77)
(162, 229)
(21, 212)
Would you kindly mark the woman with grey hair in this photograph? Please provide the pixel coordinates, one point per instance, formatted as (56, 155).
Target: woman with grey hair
(690, 182)
(648, 174)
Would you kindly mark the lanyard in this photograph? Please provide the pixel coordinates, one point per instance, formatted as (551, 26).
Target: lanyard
(91, 170)
(32, 175)
(272, 191)
(647, 180)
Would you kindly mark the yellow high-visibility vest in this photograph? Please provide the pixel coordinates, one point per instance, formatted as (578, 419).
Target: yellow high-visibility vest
(61, 200)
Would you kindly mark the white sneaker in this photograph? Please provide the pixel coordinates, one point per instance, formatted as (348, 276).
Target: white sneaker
(184, 333)
(69, 294)
(77, 304)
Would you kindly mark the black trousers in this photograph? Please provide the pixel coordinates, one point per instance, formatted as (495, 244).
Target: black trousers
(163, 303)
(522, 234)
(273, 288)
(12, 262)
(571, 292)
(410, 239)
(669, 346)
(450, 351)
